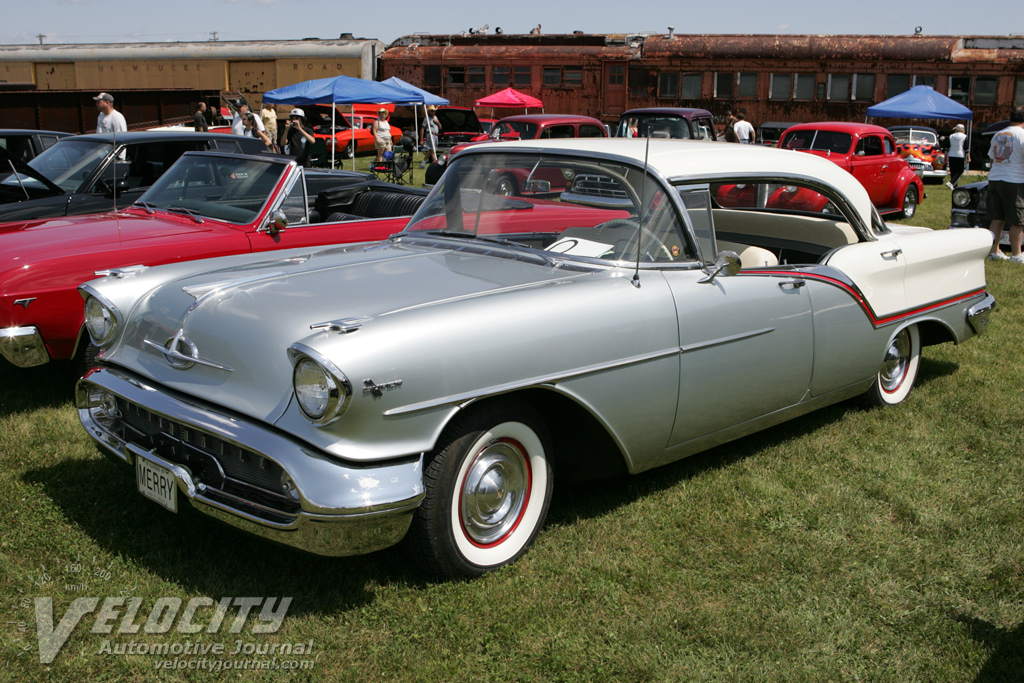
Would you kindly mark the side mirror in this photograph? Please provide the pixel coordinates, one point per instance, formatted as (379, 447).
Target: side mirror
(278, 222)
(729, 261)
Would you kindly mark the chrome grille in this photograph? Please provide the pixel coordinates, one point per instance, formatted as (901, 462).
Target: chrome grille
(217, 463)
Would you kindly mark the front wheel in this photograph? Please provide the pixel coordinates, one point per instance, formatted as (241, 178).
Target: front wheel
(488, 486)
(896, 377)
(910, 202)
(348, 151)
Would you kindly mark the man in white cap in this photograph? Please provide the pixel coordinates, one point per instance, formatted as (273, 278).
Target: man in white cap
(110, 120)
(297, 138)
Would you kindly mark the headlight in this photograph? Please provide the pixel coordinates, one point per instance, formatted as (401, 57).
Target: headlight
(961, 198)
(322, 395)
(100, 320)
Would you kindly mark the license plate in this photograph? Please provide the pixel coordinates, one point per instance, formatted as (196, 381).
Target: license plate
(156, 483)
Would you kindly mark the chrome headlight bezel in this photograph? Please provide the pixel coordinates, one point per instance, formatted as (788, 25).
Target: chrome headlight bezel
(322, 391)
(961, 198)
(102, 319)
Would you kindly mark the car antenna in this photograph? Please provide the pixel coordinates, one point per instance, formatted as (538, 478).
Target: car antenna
(640, 228)
(113, 183)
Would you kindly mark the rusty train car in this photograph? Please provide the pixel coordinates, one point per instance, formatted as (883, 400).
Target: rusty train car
(792, 78)
(51, 86)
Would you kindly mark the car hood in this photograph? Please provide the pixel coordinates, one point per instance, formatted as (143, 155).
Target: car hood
(31, 249)
(239, 320)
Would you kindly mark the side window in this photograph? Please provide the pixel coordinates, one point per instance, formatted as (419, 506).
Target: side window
(47, 141)
(698, 210)
(294, 204)
(702, 129)
(590, 131)
(770, 223)
(870, 146)
(555, 132)
(889, 149)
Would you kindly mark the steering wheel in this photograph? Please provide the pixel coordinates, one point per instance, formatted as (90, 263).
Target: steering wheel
(622, 232)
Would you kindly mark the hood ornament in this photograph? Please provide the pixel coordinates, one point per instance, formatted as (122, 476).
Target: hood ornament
(181, 353)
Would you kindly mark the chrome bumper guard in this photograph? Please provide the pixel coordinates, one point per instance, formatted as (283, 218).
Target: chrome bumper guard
(339, 509)
(979, 313)
(23, 346)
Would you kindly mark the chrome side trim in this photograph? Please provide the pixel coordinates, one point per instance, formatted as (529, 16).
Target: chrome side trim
(532, 382)
(725, 340)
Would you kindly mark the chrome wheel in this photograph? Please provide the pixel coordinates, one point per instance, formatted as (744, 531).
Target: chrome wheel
(488, 485)
(910, 202)
(899, 368)
(505, 186)
(494, 492)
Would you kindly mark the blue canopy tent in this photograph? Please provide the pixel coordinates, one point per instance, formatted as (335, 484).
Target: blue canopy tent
(922, 102)
(428, 98)
(341, 90)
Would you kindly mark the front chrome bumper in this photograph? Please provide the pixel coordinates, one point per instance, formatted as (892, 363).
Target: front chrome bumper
(23, 346)
(225, 466)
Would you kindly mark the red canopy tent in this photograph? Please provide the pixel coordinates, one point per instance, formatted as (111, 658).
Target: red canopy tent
(512, 99)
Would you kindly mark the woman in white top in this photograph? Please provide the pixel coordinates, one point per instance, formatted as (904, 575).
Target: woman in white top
(382, 133)
(958, 156)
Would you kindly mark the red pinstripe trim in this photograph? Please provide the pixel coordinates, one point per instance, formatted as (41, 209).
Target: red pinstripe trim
(875, 320)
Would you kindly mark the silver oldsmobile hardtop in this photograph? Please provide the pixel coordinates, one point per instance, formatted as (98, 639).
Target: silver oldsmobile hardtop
(556, 310)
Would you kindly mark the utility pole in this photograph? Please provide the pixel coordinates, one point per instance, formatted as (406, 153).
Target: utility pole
(214, 34)
(40, 37)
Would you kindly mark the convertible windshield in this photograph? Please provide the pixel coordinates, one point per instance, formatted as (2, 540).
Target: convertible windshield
(220, 187)
(68, 164)
(562, 205)
(818, 140)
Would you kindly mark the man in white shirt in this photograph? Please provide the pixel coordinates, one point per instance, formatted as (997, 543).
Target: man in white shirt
(744, 131)
(110, 120)
(1006, 187)
(237, 125)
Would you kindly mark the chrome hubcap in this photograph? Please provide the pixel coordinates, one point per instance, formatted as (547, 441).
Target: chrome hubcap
(894, 367)
(494, 492)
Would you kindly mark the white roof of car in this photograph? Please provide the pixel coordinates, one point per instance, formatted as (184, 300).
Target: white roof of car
(683, 159)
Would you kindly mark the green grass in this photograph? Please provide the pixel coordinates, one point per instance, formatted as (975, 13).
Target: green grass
(852, 544)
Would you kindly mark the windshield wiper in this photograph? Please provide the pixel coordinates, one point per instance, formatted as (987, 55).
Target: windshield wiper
(191, 213)
(145, 205)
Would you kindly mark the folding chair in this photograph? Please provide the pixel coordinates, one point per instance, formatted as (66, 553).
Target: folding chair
(385, 168)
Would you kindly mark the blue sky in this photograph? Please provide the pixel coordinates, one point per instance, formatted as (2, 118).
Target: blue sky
(106, 21)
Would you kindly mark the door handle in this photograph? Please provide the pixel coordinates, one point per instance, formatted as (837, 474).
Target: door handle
(792, 284)
(891, 254)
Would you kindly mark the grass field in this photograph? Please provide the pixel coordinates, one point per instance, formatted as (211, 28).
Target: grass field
(853, 544)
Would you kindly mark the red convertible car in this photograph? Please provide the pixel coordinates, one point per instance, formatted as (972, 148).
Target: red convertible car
(869, 153)
(207, 204)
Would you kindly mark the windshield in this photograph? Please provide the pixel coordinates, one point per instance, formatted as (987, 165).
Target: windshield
(556, 206)
(525, 130)
(654, 126)
(68, 163)
(916, 137)
(224, 188)
(819, 140)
